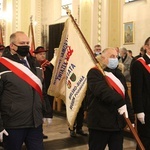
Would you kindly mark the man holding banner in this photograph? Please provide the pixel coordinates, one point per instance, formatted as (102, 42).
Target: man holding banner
(106, 100)
(21, 96)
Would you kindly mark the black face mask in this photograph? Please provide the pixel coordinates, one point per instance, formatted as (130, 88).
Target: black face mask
(22, 50)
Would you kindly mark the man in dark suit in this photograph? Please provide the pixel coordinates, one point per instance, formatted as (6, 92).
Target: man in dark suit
(140, 89)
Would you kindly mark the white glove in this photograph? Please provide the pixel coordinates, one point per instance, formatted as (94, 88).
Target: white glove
(1, 134)
(141, 117)
(48, 121)
(122, 110)
(133, 125)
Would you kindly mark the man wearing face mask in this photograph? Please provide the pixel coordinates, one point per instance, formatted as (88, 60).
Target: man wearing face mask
(21, 96)
(126, 61)
(106, 100)
(97, 50)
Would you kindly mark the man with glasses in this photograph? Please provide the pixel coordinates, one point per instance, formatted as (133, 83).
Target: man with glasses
(97, 50)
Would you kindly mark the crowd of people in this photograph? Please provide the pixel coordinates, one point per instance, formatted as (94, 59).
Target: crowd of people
(25, 104)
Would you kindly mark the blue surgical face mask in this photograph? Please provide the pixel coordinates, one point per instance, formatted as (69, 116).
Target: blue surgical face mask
(112, 63)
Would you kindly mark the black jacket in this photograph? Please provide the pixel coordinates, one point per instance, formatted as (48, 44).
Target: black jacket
(47, 80)
(20, 104)
(140, 89)
(133, 60)
(47, 70)
(103, 102)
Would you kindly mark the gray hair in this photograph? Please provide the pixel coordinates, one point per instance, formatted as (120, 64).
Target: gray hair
(123, 49)
(13, 36)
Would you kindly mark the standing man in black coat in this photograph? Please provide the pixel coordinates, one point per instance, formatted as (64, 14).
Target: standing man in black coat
(21, 96)
(140, 89)
(47, 67)
(105, 104)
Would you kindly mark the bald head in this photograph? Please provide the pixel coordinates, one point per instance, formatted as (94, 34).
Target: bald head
(106, 54)
(109, 52)
(18, 38)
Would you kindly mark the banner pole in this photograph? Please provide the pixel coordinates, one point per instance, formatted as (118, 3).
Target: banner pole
(32, 33)
(85, 41)
(133, 131)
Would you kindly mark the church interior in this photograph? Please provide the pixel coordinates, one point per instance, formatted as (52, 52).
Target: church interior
(110, 23)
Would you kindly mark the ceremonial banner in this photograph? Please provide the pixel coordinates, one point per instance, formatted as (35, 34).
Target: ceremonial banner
(31, 36)
(73, 62)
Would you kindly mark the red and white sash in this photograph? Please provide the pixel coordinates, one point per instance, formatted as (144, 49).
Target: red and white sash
(24, 73)
(147, 67)
(115, 83)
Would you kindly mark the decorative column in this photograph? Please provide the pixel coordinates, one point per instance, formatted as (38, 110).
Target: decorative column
(96, 22)
(99, 22)
(38, 26)
(16, 15)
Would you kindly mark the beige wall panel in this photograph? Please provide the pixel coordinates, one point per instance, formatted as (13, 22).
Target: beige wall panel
(25, 15)
(104, 24)
(114, 23)
(85, 18)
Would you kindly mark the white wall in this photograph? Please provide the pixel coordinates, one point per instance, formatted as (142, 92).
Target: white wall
(138, 12)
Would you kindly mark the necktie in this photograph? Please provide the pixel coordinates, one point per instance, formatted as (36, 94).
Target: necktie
(24, 62)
